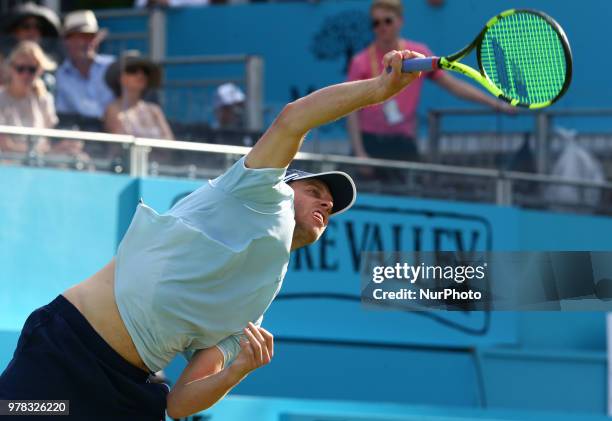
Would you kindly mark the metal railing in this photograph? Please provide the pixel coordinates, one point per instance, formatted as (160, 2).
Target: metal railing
(188, 100)
(252, 81)
(417, 179)
(541, 134)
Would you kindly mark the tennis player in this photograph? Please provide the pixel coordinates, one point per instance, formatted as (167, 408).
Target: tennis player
(195, 280)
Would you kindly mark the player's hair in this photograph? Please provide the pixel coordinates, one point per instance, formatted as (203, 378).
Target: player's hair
(394, 6)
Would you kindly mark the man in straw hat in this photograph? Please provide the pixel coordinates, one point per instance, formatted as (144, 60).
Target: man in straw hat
(81, 88)
(195, 280)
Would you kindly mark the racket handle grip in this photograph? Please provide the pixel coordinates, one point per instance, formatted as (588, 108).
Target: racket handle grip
(426, 64)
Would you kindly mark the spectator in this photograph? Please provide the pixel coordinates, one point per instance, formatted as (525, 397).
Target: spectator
(230, 125)
(574, 163)
(130, 78)
(229, 107)
(24, 100)
(31, 22)
(80, 79)
(388, 130)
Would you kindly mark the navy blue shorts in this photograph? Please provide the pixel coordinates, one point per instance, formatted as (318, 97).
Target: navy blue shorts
(60, 356)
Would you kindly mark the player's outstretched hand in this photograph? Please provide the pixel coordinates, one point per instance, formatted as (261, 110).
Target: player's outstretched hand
(255, 352)
(394, 81)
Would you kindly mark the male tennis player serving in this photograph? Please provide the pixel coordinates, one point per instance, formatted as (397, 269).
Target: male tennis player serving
(195, 280)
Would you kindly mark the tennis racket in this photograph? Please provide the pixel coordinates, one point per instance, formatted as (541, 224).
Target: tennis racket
(523, 57)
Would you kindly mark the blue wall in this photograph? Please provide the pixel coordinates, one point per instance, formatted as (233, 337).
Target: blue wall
(56, 228)
(255, 409)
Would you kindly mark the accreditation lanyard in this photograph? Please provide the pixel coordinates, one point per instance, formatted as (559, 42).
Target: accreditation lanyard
(390, 108)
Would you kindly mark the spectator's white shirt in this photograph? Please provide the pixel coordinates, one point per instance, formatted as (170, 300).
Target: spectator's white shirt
(31, 111)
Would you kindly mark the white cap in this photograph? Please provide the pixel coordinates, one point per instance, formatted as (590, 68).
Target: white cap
(228, 94)
(81, 21)
(340, 184)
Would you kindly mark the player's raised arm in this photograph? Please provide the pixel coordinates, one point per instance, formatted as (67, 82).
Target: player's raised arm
(281, 142)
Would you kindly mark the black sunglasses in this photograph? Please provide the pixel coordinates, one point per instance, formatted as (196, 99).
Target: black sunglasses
(133, 69)
(19, 68)
(377, 22)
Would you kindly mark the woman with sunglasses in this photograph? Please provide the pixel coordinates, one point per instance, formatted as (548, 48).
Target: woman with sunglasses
(388, 130)
(32, 22)
(24, 100)
(130, 78)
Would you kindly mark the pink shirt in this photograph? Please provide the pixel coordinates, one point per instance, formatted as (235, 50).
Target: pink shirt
(372, 119)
